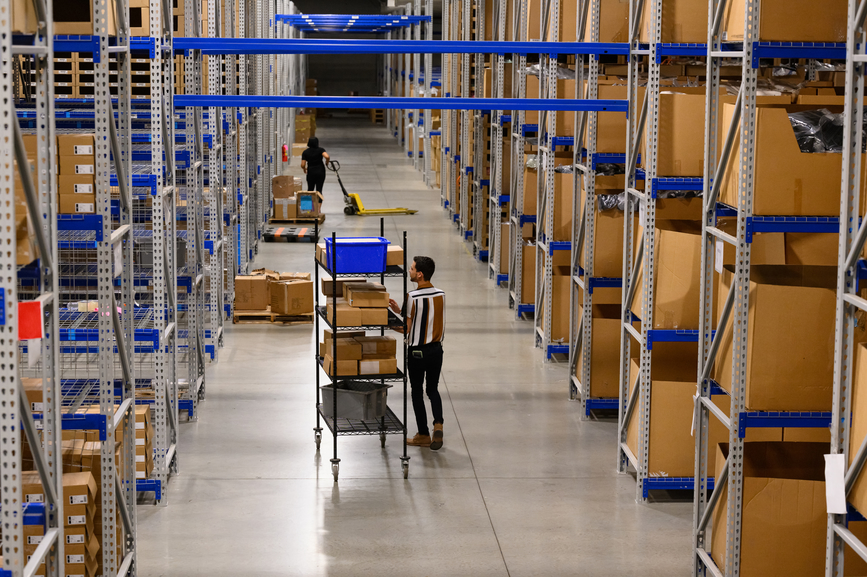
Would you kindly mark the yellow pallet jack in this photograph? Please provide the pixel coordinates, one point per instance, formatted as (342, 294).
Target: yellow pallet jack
(354, 204)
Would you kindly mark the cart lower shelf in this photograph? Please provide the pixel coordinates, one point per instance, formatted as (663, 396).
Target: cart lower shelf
(387, 425)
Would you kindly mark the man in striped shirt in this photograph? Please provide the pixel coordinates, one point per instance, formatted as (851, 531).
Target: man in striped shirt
(425, 310)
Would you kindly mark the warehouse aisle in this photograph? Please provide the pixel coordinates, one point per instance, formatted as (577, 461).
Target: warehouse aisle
(521, 486)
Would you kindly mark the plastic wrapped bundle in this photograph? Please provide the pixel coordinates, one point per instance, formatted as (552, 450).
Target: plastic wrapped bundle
(610, 202)
(608, 169)
(565, 169)
(563, 73)
(818, 130)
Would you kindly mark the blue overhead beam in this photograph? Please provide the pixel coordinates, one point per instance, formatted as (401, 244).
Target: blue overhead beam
(399, 103)
(345, 46)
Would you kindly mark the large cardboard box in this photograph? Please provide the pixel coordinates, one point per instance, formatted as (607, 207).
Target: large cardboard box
(790, 338)
(561, 294)
(373, 316)
(680, 147)
(682, 21)
(613, 22)
(565, 121)
(784, 519)
(607, 230)
(251, 293)
(347, 316)
(671, 446)
(786, 180)
(507, 81)
(528, 274)
(789, 21)
(505, 243)
(611, 126)
(604, 353)
(139, 18)
(308, 203)
(676, 290)
(562, 182)
(283, 186)
(858, 495)
(293, 297)
(76, 17)
(805, 248)
(24, 20)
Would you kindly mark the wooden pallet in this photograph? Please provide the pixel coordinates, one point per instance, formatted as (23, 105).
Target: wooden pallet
(267, 317)
(320, 220)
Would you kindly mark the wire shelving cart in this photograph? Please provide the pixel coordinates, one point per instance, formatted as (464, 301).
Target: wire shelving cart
(387, 424)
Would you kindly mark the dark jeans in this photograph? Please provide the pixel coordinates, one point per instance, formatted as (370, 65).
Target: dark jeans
(430, 366)
(315, 180)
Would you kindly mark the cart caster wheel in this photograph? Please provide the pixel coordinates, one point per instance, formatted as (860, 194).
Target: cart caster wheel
(382, 440)
(405, 467)
(348, 211)
(335, 470)
(318, 439)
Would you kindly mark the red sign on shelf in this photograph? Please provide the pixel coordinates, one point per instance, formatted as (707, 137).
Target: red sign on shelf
(30, 320)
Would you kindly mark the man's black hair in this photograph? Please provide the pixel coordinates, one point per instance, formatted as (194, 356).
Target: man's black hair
(313, 142)
(425, 265)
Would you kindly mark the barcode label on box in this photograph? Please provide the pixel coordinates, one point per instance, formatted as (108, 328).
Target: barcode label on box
(83, 188)
(75, 539)
(39, 425)
(74, 575)
(83, 207)
(78, 499)
(76, 520)
(36, 407)
(140, 458)
(34, 498)
(75, 558)
(34, 539)
(84, 169)
(82, 149)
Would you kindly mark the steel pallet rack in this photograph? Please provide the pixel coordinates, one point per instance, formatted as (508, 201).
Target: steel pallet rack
(40, 207)
(850, 271)
(389, 423)
(584, 279)
(739, 144)
(517, 218)
(496, 198)
(469, 33)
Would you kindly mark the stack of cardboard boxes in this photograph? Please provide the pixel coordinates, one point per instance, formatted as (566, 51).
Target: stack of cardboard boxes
(358, 355)
(361, 304)
(305, 128)
(267, 291)
(80, 508)
(291, 202)
(76, 174)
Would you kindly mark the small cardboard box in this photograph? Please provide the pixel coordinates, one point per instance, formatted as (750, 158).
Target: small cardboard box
(76, 184)
(327, 284)
(251, 293)
(33, 390)
(370, 317)
(790, 367)
(79, 493)
(75, 144)
(784, 519)
(344, 368)
(347, 349)
(362, 298)
(342, 334)
(347, 316)
(291, 297)
(285, 208)
(69, 165)
(76, 203)
(377, 367)
(31, 487)
(361, 286)
(377, 345)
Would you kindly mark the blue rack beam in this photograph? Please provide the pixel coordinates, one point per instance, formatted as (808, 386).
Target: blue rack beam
(774, 419)
(147, 485)
(672, 484)
(398, 103)
(501, 278)
(343, 46)
(601, 404)
(528, 308)
(558, 349)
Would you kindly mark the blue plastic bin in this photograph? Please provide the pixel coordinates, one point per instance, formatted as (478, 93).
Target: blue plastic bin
(357, 254)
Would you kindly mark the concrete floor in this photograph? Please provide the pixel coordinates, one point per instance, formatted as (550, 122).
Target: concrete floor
(521, 486)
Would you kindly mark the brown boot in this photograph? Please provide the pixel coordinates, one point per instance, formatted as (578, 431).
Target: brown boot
(419, 441)
(437, 441)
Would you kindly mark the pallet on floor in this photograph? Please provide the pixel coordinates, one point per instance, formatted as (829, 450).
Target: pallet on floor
(267, 317)
(320, 219)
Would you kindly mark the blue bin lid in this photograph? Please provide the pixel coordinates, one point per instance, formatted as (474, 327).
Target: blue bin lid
(358, 241)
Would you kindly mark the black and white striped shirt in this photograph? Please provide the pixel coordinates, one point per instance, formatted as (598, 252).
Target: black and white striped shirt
(427, 315)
